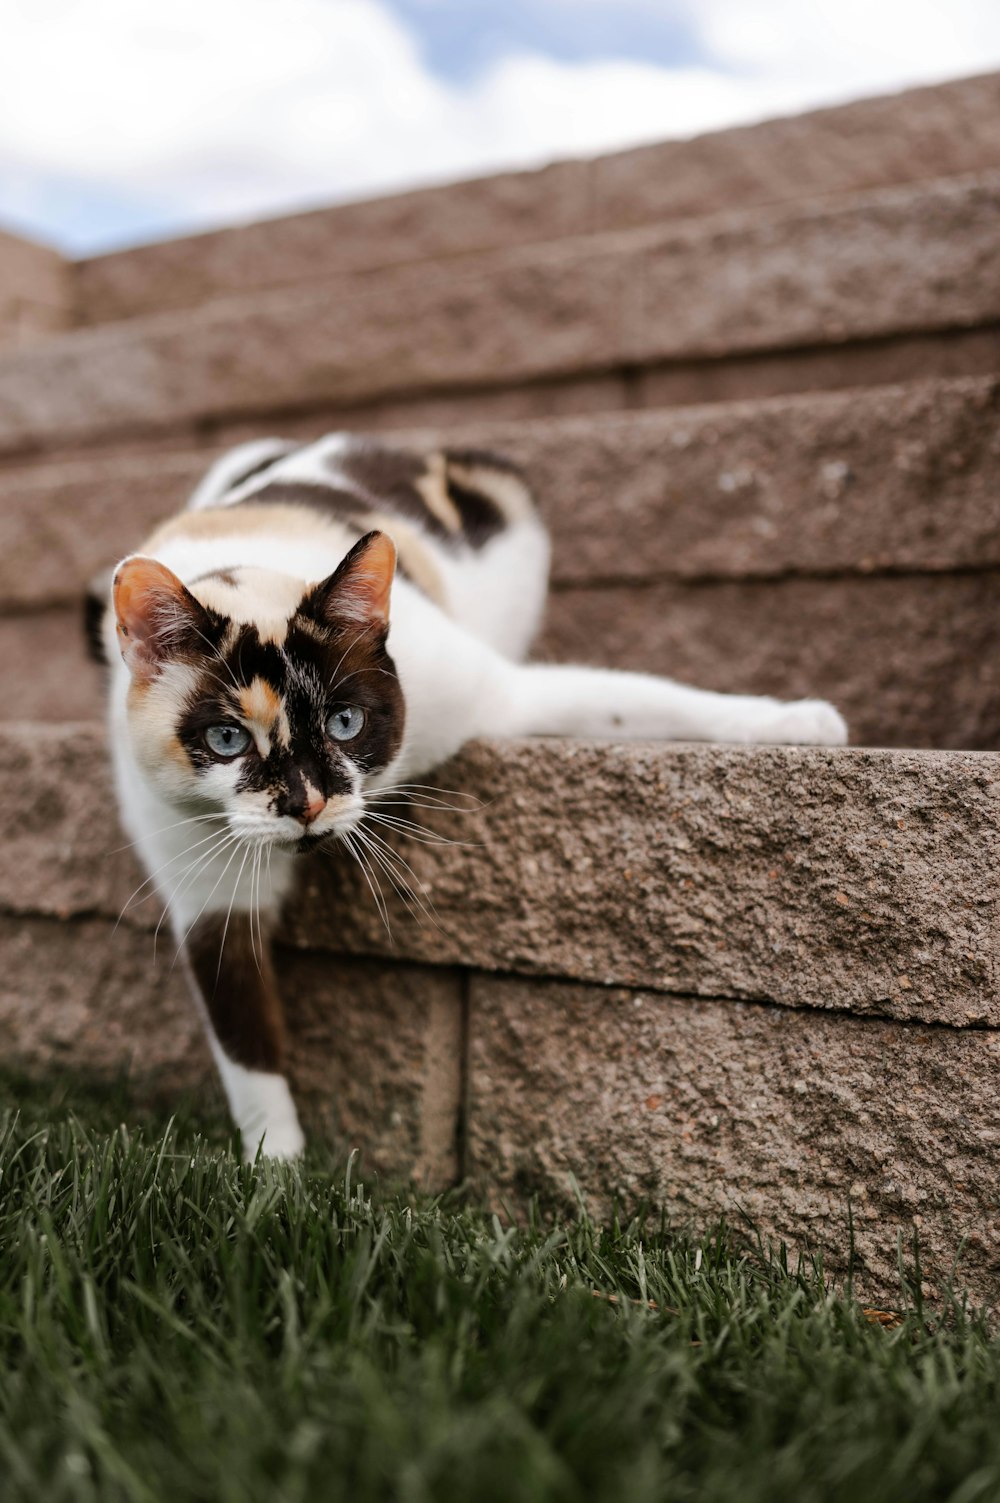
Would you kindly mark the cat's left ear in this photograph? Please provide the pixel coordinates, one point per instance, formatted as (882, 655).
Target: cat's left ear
(358, 590)
(156, 616)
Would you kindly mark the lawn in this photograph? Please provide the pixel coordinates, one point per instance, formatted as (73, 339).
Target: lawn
(174, 1325)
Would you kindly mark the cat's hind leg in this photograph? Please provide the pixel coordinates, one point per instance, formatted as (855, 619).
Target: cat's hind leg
(550, 700)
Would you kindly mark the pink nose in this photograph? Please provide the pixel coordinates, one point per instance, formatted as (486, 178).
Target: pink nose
(313, 809)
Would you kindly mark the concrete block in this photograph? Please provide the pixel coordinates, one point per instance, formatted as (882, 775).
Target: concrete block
(794, 1119)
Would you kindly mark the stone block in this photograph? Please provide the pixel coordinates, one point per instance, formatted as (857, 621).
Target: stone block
(508, 209)
(36, 291)
(891, 262)
(856, 880)
(898, 479)
(899, 260)
(48, 675)
(862, 881)
(902, 478)
(942, 131)
(793, 1119)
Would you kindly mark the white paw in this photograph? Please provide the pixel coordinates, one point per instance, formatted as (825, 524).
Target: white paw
(806, 722)
(281, 1140)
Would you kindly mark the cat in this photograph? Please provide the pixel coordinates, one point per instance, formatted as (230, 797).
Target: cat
(321, 623)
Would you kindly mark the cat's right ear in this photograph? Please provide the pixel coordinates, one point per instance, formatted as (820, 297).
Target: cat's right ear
(156, 618)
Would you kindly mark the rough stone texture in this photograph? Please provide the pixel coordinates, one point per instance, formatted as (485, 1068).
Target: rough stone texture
(707, 1107)
(374, 1052)
(375, 1058)
(864, 881)
(509, 209)
(921, 134)
(902, 478)
(855, 880)
(900, 138)
(911, 660)
(47, 673)
(902, 260)
(525, 314)
(884, 361)
(62, 853)
(36, 296)
(83, 997)
(60, 523)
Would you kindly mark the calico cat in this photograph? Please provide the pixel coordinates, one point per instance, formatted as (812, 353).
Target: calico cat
(321, 623)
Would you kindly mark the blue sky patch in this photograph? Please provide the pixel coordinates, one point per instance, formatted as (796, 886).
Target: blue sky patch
(460, 39)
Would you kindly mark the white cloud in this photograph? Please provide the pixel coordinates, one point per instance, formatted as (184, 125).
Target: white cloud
(219, 109)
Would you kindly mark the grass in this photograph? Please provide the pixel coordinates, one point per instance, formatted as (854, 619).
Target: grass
(174, 1325)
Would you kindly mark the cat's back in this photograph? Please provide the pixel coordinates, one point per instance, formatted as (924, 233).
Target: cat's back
(464, 522)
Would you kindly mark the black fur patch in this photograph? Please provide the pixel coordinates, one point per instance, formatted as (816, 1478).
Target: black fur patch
(238, 989)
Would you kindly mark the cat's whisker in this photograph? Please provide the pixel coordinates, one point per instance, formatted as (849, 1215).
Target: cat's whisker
(423, 795)
(238, 841)
(375, 889)
(194, 819)
(377, 846)
(229, 910)
(364, 632)
(255, 907)
(419, 834)
(153, 875)
(217, 654)
(188, 878)
(367, 669)
(400, 886)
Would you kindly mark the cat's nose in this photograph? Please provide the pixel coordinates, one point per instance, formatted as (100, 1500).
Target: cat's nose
(314, 806)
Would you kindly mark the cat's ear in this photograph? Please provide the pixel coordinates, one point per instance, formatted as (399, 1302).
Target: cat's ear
(157, 619)
(358, 590)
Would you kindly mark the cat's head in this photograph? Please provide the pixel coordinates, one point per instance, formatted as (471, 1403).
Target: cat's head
(259, 697)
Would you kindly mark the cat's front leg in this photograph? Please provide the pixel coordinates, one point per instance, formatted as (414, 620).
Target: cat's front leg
(229, 968)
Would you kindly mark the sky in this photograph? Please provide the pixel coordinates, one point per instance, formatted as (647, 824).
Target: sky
(131, 120)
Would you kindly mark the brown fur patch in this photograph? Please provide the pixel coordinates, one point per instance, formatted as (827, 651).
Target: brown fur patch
(263, 708)
(238, 989)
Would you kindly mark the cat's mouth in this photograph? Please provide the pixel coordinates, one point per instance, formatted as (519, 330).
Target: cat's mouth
(290, 835)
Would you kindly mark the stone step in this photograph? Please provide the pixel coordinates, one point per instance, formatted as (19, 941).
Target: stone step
(865, 881)
(713, 978)
(888, 263)
(36, 291)
(843, 544)
(900, 479)
(924, 133)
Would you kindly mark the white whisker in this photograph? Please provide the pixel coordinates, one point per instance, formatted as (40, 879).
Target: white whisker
(195, 818)
(189, 877)
(377, 847)
(229, 912)
(419, 834)
(374, 889)
(201, 910)
(153, 875)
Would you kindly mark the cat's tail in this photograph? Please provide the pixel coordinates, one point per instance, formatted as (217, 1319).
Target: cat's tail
(222, 484)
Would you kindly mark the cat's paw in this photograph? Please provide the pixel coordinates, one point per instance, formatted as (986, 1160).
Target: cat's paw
(807, 722)
(282, 1141)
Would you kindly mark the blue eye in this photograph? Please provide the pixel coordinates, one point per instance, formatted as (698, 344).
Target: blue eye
(227, 740)
(346, 723)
